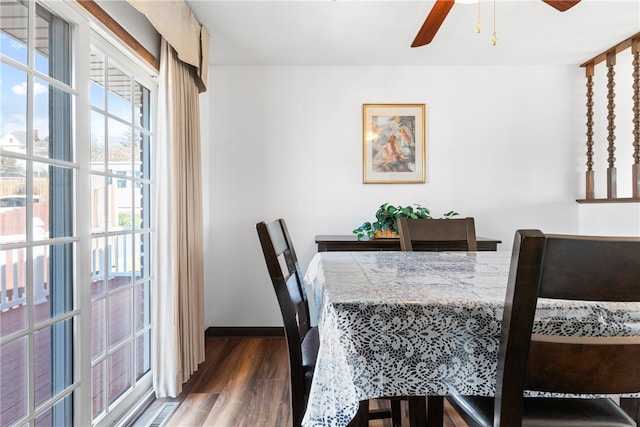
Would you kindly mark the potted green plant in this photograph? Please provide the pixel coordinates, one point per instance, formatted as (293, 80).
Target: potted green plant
(386, 224)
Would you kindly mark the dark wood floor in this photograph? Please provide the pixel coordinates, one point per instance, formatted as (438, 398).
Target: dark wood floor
(244, 382)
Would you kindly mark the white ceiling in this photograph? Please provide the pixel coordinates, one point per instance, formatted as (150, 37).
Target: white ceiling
(359, 32)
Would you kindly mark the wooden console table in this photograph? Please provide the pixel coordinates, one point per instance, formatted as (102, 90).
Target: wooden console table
(350, 242)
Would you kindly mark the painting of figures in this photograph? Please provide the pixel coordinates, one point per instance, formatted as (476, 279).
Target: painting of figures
(394, 143)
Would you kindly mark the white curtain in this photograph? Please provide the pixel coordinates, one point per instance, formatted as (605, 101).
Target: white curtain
(178, 323)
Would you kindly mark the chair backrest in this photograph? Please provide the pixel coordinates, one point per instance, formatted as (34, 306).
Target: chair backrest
(581, 268)
(442, 234)
(288, 283)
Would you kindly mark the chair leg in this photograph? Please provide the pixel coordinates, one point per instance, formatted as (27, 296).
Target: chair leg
(362, 416)
(396, 413)
(417, 411)
(435, 411)
(632, 407)
(420, 414)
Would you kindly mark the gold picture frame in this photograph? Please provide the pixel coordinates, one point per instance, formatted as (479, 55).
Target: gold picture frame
(393, 143)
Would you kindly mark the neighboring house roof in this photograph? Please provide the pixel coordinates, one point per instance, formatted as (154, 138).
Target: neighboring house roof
(13, 140)
(18, 140)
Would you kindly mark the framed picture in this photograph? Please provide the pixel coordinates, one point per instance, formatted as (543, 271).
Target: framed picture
(393, 143)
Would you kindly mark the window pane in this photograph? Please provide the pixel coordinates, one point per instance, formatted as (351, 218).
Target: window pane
(142, 106)
(120, 209)
(42, 41)
(98, 212)
(13, 298)
(138, 200)
(58, 414)
(13, 380)
(120, 148)
(52, 362)
(97, 142)
(98, 266)
(97, 329)
(52, 280)
(41, 284)
(40, 201)
(143, 354)
(97, 80)
(120, 370)
(98, 403)
(40, 143)
(143, 306)
(120, 263)
(13, 202)
(144, 258)
(137, 257)
(53, 46)
(13, 113)
(60, 201)
(120, 322)
(42, 117)
(143, 155)
(53, 111)
(42, 365)
(137, 152)
(119, 96)
(13, 38)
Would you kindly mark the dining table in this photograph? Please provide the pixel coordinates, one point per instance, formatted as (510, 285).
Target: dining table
(423, 324)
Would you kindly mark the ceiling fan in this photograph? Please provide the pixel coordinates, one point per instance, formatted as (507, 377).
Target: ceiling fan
(441, 9)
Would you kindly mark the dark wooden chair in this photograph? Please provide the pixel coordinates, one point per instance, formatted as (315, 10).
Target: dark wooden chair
(570, 268)
(448, 234)
(302, 339)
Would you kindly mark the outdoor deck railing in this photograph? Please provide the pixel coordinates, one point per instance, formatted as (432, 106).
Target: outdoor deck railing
(13, 269)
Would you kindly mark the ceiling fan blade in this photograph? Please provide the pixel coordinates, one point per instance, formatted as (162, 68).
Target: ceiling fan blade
(433, 22)
(562, 5)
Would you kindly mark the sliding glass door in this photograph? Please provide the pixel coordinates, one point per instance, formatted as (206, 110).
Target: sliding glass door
(121, 231)
(75, 220)
(39, 243)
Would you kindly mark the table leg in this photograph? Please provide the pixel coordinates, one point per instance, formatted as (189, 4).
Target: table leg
(632, 407)
(417, 411)
(435, 411)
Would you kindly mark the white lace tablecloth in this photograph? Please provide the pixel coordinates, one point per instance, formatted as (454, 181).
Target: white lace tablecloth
(422, 323)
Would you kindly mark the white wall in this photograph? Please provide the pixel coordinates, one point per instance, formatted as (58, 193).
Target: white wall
(609, 219)
(504, 145)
